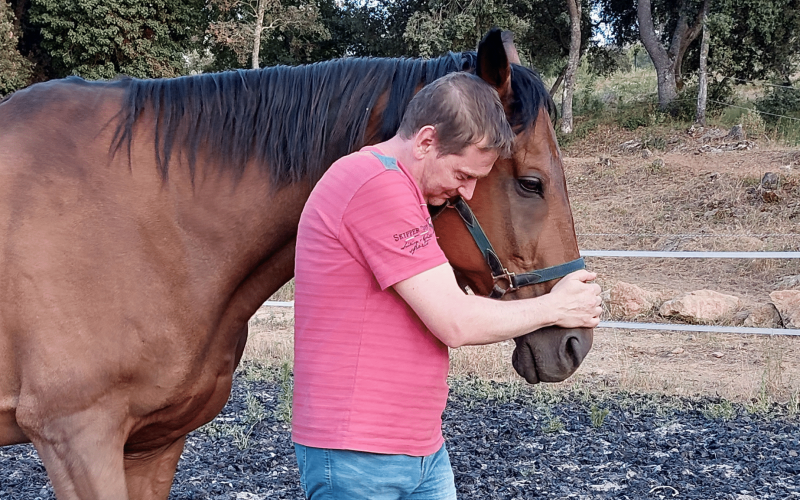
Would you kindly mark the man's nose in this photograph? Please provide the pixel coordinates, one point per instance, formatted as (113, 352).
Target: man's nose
(467, 189)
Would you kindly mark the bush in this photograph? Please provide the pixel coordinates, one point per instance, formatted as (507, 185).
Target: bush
(779, 100)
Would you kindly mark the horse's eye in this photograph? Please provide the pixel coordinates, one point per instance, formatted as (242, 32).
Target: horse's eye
(532, 185)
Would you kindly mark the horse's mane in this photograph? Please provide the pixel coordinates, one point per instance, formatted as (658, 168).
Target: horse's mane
(294, 121)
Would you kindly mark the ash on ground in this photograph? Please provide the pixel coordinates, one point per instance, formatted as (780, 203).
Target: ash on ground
(505, 442)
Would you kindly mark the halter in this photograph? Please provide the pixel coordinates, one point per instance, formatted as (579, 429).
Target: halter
(500, 274)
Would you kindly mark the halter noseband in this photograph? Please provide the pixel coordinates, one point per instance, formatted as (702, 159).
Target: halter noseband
(500, 274)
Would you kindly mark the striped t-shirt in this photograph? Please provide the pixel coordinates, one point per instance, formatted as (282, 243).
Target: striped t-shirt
(368, 374)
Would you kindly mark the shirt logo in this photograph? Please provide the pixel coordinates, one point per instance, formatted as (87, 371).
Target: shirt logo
(415, 238)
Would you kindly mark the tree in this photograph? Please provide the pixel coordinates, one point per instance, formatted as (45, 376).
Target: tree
(546, 32)
(574, 7)
(702, 93)
(754, 39)
(456, 25)
(244, 26)
(668, 60)
(101, 39)
(751, 38)
(15, 70)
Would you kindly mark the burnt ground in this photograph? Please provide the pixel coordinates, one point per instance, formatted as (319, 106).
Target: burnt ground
(506, 443)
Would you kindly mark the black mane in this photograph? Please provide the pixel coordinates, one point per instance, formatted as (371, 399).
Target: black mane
(294, 121)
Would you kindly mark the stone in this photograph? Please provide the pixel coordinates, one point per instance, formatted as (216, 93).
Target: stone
(787, 302)
(646, 153)
(736, 133)
(765, 316)
(791, 281)
(770, 181)
(702, 306)
(628, 300)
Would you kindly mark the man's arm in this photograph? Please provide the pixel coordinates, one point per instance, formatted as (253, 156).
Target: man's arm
(458, 319)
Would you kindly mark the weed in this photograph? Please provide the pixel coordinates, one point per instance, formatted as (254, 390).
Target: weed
(239, 434)
(598, 416)
(477, 390)
(793, 406)
(283, 410)
(553, 424)
(255, 371)
(254, 411)
(723, 410)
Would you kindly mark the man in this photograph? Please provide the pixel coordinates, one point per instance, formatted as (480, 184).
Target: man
(376, 301)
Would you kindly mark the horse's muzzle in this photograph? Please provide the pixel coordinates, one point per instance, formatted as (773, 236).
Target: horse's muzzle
(551, 354)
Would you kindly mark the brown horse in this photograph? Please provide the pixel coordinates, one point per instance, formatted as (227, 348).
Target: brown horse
(143, 222)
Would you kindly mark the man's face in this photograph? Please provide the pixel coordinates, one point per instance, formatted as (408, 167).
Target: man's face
(456, 174)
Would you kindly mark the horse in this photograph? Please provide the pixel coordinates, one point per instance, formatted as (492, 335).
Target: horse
(143, 222)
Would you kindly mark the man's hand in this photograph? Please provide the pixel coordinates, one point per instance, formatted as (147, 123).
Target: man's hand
(575, 301)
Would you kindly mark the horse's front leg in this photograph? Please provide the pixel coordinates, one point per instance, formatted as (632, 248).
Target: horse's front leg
(82, 453)
(150, 475)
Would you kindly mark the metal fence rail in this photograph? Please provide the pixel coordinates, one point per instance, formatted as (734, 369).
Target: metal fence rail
(690, 255)
(673, 327)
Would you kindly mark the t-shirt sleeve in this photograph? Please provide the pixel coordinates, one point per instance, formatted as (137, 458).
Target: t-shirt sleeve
(391, 230)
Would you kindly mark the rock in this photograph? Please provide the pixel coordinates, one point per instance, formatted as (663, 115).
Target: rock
(701, 306)
(792, 281)
(787, 302)
(717, 354)
(736, 133)
(646, 153)
(630, 146)
(740, 317)
(765, 316)
(629, 301)
(678, 350)
(770, 181)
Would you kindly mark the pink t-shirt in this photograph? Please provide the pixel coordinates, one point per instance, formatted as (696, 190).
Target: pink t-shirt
(368, 374)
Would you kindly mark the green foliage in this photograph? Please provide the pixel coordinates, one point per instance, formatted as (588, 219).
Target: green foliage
(283, 411)
(779, 100)
(477, 391)
(605, 60)
(598, 416)
(553, 424)
(101, 39)
(753, 39)
(292, 32)
(15, 70)
(456, 25)
(722, 410)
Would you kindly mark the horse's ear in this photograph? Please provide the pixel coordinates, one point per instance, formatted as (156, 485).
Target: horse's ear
(494, 63)
(511, 49)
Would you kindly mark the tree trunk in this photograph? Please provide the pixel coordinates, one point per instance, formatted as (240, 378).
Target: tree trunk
(702, 94)
(558, 81)
(572, 66)
(683, 37)
(665, 65)
(260, 8)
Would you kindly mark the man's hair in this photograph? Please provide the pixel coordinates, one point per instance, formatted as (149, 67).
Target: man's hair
(464, 110)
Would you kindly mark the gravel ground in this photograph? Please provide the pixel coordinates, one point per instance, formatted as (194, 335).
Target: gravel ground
(505, 443)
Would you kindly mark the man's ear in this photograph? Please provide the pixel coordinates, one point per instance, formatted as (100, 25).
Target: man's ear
(425, 142)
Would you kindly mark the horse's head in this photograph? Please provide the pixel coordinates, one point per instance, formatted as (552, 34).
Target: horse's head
(524, 210)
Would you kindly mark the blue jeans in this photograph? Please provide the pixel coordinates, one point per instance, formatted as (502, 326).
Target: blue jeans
(353, 475)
